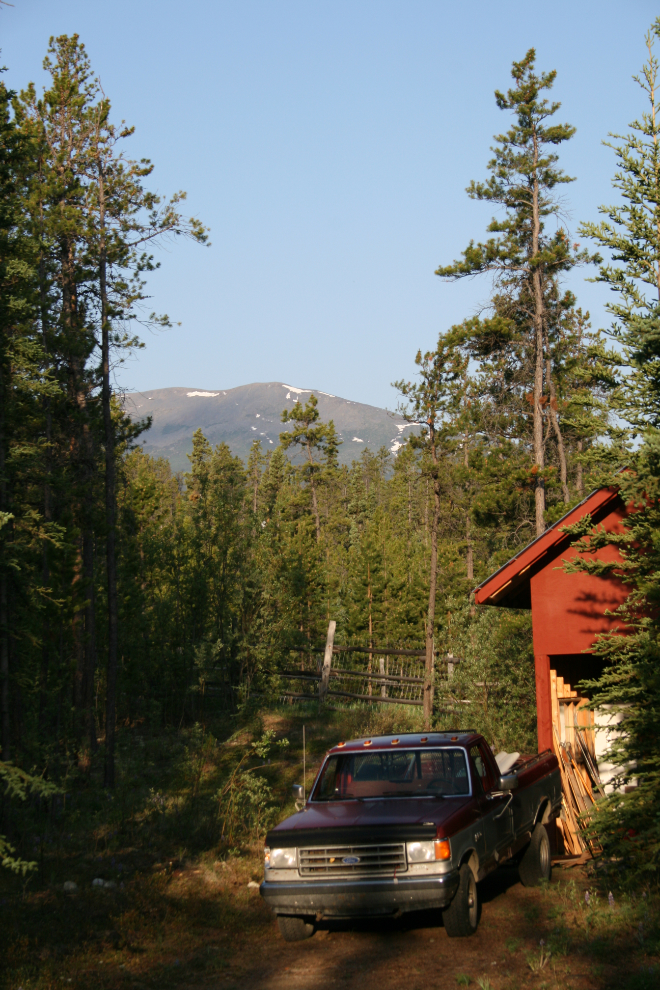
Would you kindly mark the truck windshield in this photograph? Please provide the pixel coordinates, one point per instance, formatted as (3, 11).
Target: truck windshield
(393, 774)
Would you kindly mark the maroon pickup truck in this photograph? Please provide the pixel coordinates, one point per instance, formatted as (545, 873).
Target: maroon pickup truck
(410, 822)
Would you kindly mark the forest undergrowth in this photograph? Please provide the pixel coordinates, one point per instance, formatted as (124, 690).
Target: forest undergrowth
(165, 872)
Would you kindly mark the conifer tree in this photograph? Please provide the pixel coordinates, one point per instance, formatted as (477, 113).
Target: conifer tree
(435, 400)
(628, 822)
(313, 438)
(255, 465)
(523, 257)
(19, 371)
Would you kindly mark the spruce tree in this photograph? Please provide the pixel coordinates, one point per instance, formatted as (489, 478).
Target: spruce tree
(314, 439)
(628, 822)
(19, 372)
(524, 258)
(106, 219)
(435, 401)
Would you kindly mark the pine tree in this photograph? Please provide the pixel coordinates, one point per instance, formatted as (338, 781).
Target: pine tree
(435, 401)
(525, 260)
(314, 439)
(19, 372)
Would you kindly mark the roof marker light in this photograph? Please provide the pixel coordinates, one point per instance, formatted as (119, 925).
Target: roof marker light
(339, 745)
(395, 742)
(367, 742)
(454, 739)
(424, 739)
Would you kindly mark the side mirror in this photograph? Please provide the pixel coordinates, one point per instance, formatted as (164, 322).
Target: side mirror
(509, 782)
(299, 792)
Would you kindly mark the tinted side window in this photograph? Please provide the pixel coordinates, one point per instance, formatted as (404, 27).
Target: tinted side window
(489, 780)
(479, 769)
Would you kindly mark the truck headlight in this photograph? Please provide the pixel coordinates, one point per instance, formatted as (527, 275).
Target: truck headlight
(428, 852)
(280, 859)
(420, 852)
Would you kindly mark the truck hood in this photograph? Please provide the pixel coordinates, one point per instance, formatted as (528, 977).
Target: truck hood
(346, 822)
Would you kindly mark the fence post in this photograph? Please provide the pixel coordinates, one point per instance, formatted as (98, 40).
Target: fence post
(383, 687)
(327, 662)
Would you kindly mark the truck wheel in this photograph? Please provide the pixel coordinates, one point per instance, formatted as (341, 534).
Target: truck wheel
(294, 929)
(462, 916)
(536, 864)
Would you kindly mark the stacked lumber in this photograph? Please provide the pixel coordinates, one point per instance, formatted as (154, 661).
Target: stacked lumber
(574, 745)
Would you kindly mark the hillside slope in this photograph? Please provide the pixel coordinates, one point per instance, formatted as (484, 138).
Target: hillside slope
(239, 415)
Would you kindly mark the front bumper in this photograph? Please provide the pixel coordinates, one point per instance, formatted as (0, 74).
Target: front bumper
(359, 898)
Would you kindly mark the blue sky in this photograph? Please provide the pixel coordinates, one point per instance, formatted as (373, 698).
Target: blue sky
(328, 146)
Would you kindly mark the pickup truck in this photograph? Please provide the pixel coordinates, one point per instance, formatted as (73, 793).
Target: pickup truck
(410, 822)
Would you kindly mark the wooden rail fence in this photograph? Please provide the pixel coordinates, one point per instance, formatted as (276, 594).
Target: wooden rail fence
(391, 675)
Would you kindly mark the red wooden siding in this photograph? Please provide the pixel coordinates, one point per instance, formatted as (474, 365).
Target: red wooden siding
(567, 609)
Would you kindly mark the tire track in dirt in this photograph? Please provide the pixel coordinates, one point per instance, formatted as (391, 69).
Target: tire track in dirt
(412, 953)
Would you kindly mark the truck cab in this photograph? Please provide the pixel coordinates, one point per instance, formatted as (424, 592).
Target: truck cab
(409, 822)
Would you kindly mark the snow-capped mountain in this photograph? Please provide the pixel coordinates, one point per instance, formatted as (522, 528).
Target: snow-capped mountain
(239, 415)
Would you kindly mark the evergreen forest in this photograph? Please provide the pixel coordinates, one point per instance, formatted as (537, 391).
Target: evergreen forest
(139, 607)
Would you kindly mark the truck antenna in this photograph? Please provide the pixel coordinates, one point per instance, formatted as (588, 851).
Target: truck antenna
(304, 765)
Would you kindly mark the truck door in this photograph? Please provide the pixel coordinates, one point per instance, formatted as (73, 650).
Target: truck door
(498, 827)
(503, 803)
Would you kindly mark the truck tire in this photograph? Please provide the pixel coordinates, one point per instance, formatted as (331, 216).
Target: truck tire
(294, 929)
(462, 916)
(536, 864)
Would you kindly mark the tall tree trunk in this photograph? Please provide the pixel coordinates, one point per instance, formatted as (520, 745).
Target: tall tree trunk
(539, 459)
(469, 563)
(110, 499)
(4, 670)
(5, 714)
(429, 666)
(78, 628)
(554, 419)
(315, 504)
(45, 562)
(87, 699)
(578, 478)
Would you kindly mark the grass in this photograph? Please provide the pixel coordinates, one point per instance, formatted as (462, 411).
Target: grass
(181, 912)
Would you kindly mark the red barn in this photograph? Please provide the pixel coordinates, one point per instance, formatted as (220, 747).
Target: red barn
(567, 612)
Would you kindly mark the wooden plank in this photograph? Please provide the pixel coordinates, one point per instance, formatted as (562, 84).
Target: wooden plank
(327, 661)
(568, 724)
(383, 689)
(380, 650)
(365, 675)
(568, 801)
(374, 698)
(560, 687)
(554, 704)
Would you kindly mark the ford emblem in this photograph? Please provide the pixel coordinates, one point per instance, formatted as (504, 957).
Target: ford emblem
(350, 860)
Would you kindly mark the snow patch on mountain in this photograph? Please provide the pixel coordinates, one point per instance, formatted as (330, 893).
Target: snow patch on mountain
(205, 395)
(298, 391)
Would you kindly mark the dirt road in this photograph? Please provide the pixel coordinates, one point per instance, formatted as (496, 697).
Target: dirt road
(414, 953)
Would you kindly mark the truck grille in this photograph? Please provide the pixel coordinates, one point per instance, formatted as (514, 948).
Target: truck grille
(332, 860)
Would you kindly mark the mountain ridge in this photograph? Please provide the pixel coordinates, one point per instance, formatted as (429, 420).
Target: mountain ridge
(239, 415)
